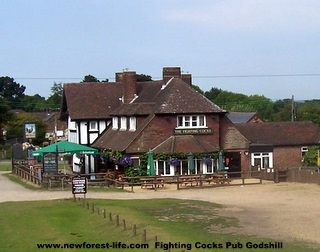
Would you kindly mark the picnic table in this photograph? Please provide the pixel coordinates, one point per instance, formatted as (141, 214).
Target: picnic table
(218, 179)
(152, 182)
(189, 180)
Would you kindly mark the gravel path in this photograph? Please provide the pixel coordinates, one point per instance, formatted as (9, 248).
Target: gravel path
(284, 211)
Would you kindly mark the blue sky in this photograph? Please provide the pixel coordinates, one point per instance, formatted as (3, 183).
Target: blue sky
(264, 47)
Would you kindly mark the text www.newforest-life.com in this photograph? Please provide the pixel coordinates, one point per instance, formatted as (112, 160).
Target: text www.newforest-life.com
(85, 245)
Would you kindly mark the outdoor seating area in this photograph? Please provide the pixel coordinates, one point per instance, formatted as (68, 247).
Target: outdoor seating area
(151, 182)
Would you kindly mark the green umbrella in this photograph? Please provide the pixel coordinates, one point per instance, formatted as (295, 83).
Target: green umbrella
(65, 148)
(220, 162)
(191, 162)
(150, 165)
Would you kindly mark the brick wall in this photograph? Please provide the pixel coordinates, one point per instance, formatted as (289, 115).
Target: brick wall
(288, 156)
(162, 127)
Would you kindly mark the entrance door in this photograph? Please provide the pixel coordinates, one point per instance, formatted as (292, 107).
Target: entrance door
(233, 164)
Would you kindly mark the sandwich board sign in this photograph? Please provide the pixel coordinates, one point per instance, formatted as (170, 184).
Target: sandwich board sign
(79, 185)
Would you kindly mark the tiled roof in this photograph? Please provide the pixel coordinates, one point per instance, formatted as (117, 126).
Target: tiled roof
(281, 133)
(99, 100)
(241, 117)
(121, 140)
(91, 100)
(179, 98)
(184, 144)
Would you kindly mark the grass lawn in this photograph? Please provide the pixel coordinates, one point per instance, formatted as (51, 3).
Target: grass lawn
(5, 165)
(26, 224)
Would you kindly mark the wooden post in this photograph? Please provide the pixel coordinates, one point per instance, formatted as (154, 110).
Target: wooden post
(131, 181)
(104, 213)
(177, 182)
(154, 182)
(134, 230)
(118, 220)
(92, 207)
(144, 235)
(110, 216)
(124, 224)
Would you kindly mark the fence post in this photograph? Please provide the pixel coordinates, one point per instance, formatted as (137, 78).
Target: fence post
(118, 220)
(124, 224)
(134, 230)
(110, 216)
(177, 182)
(104, 213)
(144, 235)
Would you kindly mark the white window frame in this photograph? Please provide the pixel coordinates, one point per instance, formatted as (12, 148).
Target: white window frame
(168, 170)
(115, 123)
(261, 156)
(123, 123)
(191, 121)
(93, 125)
(72, 125)
(133, 123)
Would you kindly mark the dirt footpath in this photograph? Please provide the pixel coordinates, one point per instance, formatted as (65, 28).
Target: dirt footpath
(284, 211)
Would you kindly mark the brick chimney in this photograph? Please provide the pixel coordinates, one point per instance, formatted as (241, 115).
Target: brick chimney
(129, 86)
(187, 78)
(169, 72)
(119, 77)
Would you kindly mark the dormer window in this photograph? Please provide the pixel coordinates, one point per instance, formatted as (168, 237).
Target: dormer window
(115, 125)
(191, 121)
(123, 123)
(133, 123)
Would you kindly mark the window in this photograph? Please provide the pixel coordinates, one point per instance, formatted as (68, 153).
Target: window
(133, 124)
(72, 124)
(163, 168)
(262, 160)
(93, 125)
(188, 121)
(304, 151)
(123, 123)
(115, 123)
(135, 162)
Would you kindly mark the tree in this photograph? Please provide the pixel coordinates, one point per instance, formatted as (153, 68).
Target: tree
(262, 105)
(143, 77)
(310, 157)
(11, 92)
(15, 127)
(33, 103)
(309, 111)
(4, 112)
(212, 93)
(90, 78)
(54, 101)
(198, 89)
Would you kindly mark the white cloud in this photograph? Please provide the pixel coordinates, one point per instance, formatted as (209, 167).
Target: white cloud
(250, 15)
